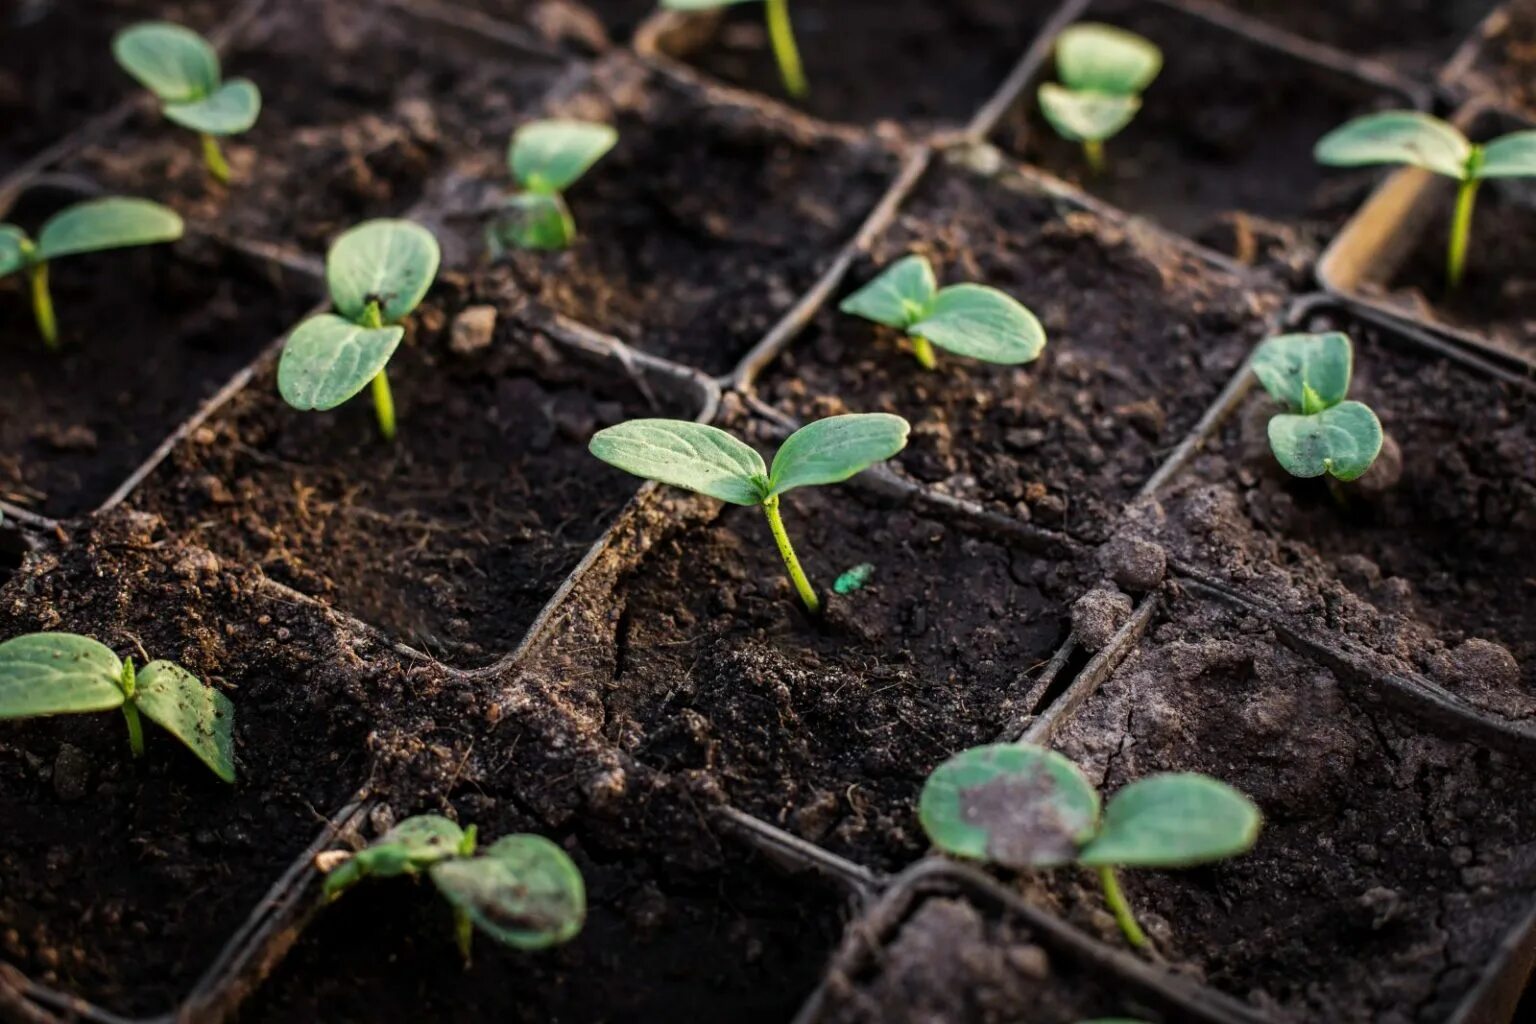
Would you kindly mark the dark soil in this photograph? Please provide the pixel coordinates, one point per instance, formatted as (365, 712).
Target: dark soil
(862, 57)
(147, 335)
(698, 231)
(452, 538)
(1437, 570)
(1414, 37)
(1141, 337)
(361, 104)
(1222, 147)
(608, 21)
(123, 879)
(1504, 63)
(1390, 864)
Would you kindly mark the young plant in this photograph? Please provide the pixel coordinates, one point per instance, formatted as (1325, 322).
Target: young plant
(966, 319)
(781, 35)
(1103, 71)
(182, 70)
(546, 158)
(710, 461)
(1419, 140)
(62, 674)
(377, 273)
(89, 226)
(1320, 432)
(522, 890)
(1025, 807)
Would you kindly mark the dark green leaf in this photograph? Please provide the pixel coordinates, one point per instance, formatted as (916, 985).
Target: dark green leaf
(110, 223)
(898, 297)
(1173, 820)
(523, 891)
(830, 451)
(328, 359)
(690, 455)
(56, 674)
(1342, 441)
(391, 262)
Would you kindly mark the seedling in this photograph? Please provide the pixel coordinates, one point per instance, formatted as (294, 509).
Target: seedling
(781, 34)
(1320, 432)
(522, 890)
(64, 674)
(182, 70)
(377, 273)
(546, 158)
(1419, 140)
(1025, 807)
(966, 319)
(89, 226)
(1103, 71)
(710, 461)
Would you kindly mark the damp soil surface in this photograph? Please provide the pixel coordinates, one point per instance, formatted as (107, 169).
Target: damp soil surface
(1141, 336)
(855, 53)
(1221, 149)
(123, 878)
(453, 537)
(1505, 64)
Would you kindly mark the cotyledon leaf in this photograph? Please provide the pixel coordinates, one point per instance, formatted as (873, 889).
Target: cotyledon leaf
(1342, 441)
(522, 890)
(195, 713)
(328, 359)
(409, 847)
(685, 454)
(392, 262)
(1176, 819)
(983, 323)
(230, 110)
(831, 450)
(1305, 372)
(57, 673)
(113, 222)
(898, 297)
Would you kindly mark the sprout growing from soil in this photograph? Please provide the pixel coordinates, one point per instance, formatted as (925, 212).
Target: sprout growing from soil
(1103, 71)
(63, 674)
(710, 461)
(781, 35)
(966, 319)
(1419, 140)
(182, 70)
(89, 226)
(1320, 432)
(1025, 807)
(522, 890)
(377, 274)
(546, 158)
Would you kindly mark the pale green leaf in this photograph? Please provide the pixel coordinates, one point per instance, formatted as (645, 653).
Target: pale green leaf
(1173, 820)
(1086, 116)
(56, 674)
(12, 258)
(1342, 441)
(229, 111)
(111, 223)
(1012, 804)
(1510, 156)
(523, 891)
(392, 262)
(174, 63)
(1091, 57)
(549, 156)
(328, 359)
(1397, 137)
(198, 715)
(898, 297)
(690, 455)
(831, 450)
(981, 323)
(406, 849)
(533, 220)
(1306, 373)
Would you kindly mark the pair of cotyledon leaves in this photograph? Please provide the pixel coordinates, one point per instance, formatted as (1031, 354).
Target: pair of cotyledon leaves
(61, 673)
(1022, 806)
(522, 890)
(1103, 71)
(1421, 140)
(89, 226)
(182, 70)
(377, 273)
(546, 158)
(1321, 432)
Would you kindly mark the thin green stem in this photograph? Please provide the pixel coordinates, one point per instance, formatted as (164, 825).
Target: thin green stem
(1461, 232)
(384, 405)
(1115, 899)
(1093, 152)
(464, 934)
(922, 348)
(129, 684)
(213, 158)
(787, 552)
(42, 305)
(782, 34)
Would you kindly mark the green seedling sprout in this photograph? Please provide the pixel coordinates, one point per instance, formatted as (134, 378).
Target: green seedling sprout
(1025, 807)
(1320, 432)
(522, 890)
(710, 461)
(64, 674)
(966, 319)
(377, 273)
(1103, 71)
(546, 158)
(1419, 140)
(182, 70)
(781, 34)
(89, 226)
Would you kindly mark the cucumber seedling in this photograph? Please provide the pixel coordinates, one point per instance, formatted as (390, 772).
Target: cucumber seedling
(546, 158)
(64, 674)
(1025, 807)
(1320, 432)
(710, 461)
(1103, 72)
(377, 273)
(522, 890)
(1419, 140)
(89, 226)
(966, 319)
(182, 70)
(781, 35)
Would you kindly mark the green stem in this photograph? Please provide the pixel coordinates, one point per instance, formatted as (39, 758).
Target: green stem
(782, 34)
(42, 305)
(1093, 152)
(787, 551)
(384, 405)
(1115, 898)
(464, 934)
(213, 158)
(1461, 231)
(129, 684)
(923, 349)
